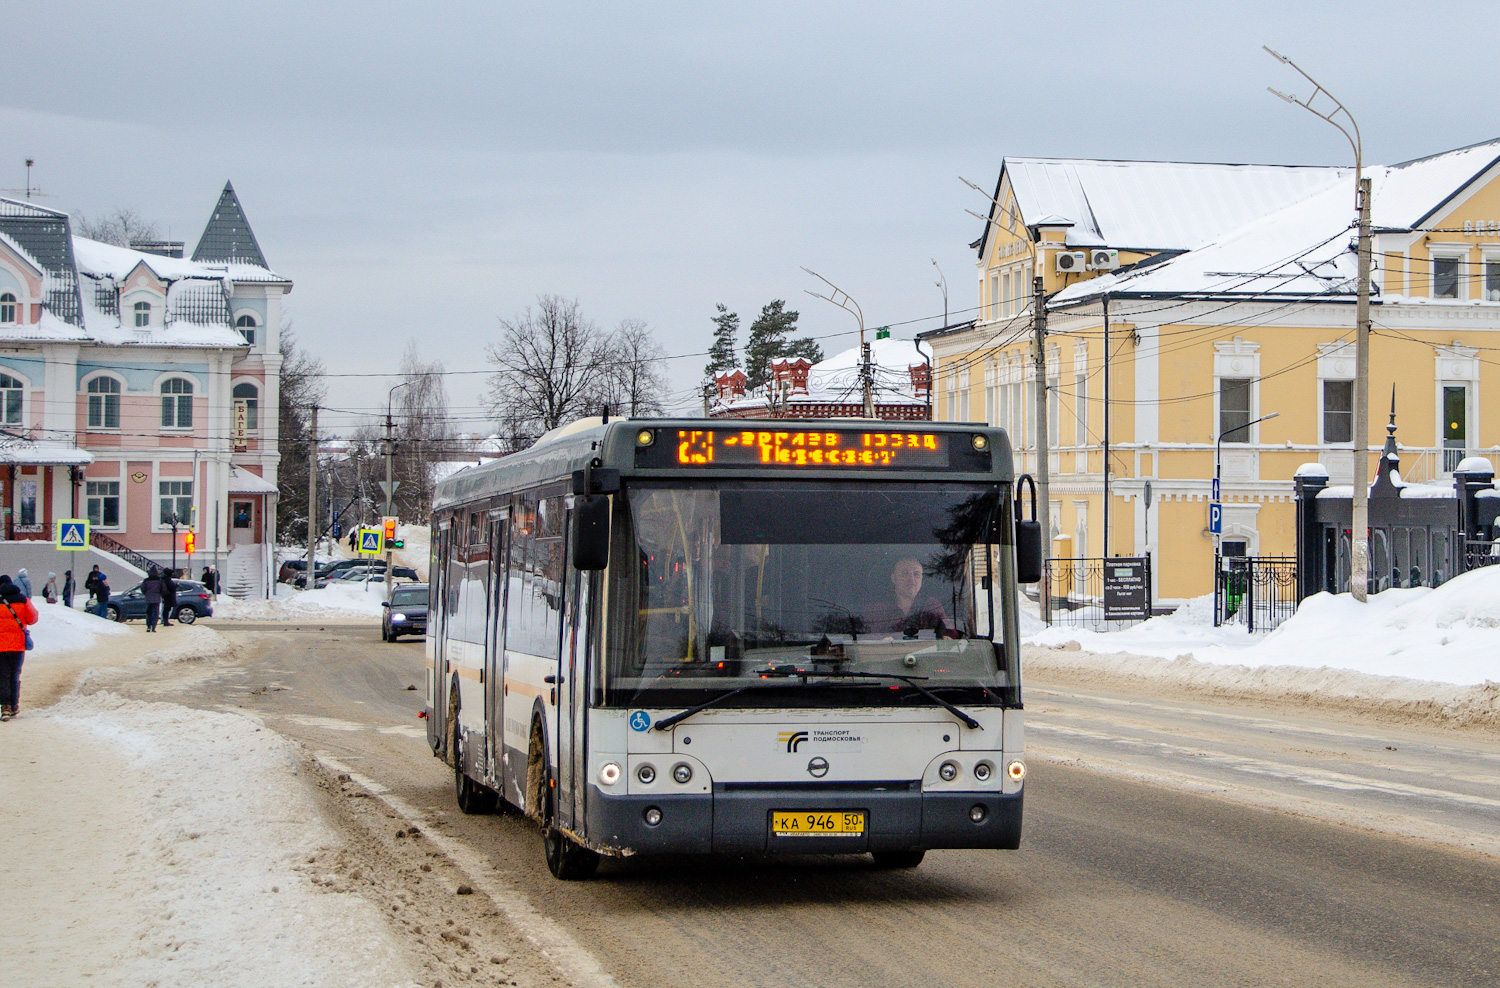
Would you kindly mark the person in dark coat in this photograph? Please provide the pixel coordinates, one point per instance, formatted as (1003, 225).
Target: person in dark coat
(209, 583)
(168, 597)
(101, 595)
(16, 612)
(151, 590)
(67, 590)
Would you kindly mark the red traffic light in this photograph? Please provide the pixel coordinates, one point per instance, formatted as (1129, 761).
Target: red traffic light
(390, 529)
(189, 542)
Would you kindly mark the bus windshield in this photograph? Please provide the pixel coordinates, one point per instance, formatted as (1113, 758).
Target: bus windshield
(714, 583)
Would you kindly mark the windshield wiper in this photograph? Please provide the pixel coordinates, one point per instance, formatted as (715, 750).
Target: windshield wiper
(680, 716)
(789, 670)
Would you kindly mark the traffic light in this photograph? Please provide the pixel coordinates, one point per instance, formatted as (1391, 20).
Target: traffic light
(189, 542)
(391, 541)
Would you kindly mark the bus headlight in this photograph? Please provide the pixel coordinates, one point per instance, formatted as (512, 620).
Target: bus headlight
(645, 437)
(983, 771)
(948, 771)
(647, 774)
(682, 773)
(1016, 770)
(609, 774)
(980, 442)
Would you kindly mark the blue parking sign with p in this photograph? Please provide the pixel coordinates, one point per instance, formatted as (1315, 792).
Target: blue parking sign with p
(1215, 519)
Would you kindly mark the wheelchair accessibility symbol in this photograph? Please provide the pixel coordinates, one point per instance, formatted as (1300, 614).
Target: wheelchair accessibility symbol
(640, 720)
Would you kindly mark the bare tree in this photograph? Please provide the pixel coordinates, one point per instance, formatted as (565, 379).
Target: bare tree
(636, 376)
(425, 432)
(551, 367)
(302, 387)
(119, 227)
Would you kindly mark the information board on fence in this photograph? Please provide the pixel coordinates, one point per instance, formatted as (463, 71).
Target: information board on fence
(1127, 590)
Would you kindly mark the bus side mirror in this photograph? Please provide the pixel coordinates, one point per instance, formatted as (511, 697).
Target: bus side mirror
(590, 535)
(1028, 552)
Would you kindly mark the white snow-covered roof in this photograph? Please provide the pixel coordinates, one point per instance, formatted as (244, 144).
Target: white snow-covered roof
(245, 482)
(32, 453)
(1156, 205)
(108, 261)
(836, 379)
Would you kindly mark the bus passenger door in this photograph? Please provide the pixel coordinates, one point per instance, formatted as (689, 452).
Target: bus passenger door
(437, 633)
(570, 700)
(494, 653)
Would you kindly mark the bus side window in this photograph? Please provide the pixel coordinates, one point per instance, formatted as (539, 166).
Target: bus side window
(518, 605)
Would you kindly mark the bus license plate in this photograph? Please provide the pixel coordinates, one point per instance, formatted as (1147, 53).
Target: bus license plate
(815, 823)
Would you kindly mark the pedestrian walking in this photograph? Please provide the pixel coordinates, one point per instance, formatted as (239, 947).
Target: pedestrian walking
(353, 538)
(151, 590)
(24, 582)
(210, 582)
(49, 589)
(67, 590)
(101, 595)
(168, 597)
(14, 641)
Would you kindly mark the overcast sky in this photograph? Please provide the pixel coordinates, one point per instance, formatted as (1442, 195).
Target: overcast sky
(420, 170)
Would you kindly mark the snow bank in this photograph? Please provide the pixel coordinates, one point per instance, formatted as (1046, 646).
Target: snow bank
(1449, 635)
(59, 629)
(212, 846)
(337, 601)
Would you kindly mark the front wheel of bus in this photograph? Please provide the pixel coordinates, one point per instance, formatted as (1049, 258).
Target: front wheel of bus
(566, 859)
(898, 859)
(472, 797)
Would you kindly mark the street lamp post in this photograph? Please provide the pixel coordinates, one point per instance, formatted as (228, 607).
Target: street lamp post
(942, 283)
(1359, 565)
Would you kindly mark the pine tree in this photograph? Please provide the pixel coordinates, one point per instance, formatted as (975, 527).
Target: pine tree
(721, 356)
(768, 341)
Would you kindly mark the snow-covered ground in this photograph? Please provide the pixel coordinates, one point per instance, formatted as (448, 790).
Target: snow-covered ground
(337, 601)
(1449, 635)
(60, 629)
(177, 847)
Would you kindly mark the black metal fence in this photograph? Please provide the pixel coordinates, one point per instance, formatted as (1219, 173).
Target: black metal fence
(1098, 593)
(1259, 592)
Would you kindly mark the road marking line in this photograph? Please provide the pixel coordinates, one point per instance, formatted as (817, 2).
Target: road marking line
(567, 956)
(1256, 766)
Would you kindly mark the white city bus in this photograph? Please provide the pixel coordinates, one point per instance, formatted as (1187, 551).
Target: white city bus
(701, 636)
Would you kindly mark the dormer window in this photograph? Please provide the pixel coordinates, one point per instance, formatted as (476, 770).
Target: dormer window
(142, 315)
(7, 308)
(246, 327)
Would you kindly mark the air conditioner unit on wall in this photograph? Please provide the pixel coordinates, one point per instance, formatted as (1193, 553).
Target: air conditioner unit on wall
(1071, 261)
(1104, 260)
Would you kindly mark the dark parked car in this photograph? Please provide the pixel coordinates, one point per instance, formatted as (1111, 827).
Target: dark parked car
(193, 602)
(406, 613)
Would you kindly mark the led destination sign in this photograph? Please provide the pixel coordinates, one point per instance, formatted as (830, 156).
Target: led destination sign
(816, 449)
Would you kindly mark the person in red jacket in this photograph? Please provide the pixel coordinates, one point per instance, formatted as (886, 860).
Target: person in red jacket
(16, 612)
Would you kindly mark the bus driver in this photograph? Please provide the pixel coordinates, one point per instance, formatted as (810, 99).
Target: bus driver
(901, 611)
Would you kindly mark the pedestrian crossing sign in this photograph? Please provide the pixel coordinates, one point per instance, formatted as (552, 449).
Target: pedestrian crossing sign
(371, 541)
(72, 534)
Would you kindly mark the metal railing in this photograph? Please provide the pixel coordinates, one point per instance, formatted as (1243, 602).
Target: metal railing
(101, 541)
(1257, 591)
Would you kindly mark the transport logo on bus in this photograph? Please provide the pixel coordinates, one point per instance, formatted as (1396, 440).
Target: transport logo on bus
(640, 720)
(827, 738)
(792, 739)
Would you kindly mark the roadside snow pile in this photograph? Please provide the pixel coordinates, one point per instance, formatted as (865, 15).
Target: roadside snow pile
(59, 629)
(338, 601)
(1446, 635)
(184, 643)
(197, 870)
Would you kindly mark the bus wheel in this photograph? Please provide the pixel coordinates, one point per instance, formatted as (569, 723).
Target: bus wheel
(473, 798)
(898, 859)
(566, 859)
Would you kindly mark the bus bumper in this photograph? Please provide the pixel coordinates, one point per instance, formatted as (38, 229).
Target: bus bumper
(739, 822)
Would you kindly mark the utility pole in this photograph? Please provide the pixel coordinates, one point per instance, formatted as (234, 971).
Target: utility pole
(1043, 466)
(942, 283)
(708, 394)
(1105, 552)
(1359, 564)
(1359, 569)
(390, 488)
(867, 379)
(844, 301)
(312, 501)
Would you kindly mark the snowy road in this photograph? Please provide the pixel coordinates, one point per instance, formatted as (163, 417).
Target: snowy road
(1119, 882)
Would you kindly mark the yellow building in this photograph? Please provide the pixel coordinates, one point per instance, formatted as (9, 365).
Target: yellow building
(1226, 293)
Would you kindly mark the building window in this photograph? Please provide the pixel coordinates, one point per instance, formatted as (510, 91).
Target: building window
(1338, 411)
(176, 403)
(964, 383)
(1234, 409)
(142, 314)
(246, 326)
(1492, 279)
(1081, 409)
(994, 296)
(1005, 294)
(1445, 277)
(103, 498)
(104, 403)
(10, 400)
(251, 397)
(28, 490)
(175, 498)
(7, 308)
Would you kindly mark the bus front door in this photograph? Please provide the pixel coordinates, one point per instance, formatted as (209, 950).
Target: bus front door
(570, 702)
(494, 654)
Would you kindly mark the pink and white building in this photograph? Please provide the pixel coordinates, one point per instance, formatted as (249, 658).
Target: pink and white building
(139, 387)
